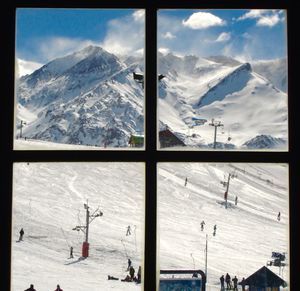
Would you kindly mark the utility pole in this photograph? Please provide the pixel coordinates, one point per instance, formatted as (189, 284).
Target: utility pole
(216, 124)
(85, 228)
(230, 176)
(206, 259)
(21, 127)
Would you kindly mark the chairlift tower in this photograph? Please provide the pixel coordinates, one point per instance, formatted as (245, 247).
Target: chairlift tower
(85, 228)
(215, 124)
(224, 183)
(21, 127)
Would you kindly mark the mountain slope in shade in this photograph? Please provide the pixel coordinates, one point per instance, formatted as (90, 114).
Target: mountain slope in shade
(246, 103)
(88, 97)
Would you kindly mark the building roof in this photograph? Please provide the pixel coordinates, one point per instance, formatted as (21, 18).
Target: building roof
(264, 277)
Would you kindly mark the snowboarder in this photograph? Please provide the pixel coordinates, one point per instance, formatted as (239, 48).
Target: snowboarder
(21, 234)
(235, 280)
(112, 278)
(131, 272)
(71, 253)
(215, 230)
(31, 288)
(128, 230)
(139, 275)
(243, 284)
(185, 181)
(278, 216)
(236, 200)
(222, 280)
(202, 225)
(58, 288)
(127, 279)
(129, 264)
(228, 282)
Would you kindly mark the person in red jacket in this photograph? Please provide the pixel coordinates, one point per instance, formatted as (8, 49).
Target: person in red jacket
(58, 288)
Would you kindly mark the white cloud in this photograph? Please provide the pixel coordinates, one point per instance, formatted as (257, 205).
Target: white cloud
(164, 50)
(123, 36)
(264, 17)
(54, 47)
(224, 36)
(268, 20)
(203, 20)
(26, 67)
(168, 35)
(139, 15)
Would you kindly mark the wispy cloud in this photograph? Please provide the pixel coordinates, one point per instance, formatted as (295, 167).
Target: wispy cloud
(264, 17)
(168, 35)
(25, 67)
(125, 35)
(203, 20)
(223, 37)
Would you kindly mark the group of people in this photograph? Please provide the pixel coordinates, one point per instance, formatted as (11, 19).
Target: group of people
(202, 227)
(31, 288)
(227, 279)
(131, 276)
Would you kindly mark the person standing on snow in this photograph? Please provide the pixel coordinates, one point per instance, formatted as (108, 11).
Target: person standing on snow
(222, 280)
(278, 216)
(215, 230)
(129, 264)
(185, 181)
(71, 253)
(236, 200)
(128, 230)
(131, 272)
(202, 225)
(243, 284)
(21, 234)
(228, 282)
(31, 288)
(235, 280)
(58, 288)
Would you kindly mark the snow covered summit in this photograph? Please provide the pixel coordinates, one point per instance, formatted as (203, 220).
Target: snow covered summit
(88, 97)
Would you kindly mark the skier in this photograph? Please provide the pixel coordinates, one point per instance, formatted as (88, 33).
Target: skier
(128, 230)
(139, 274)
(222, 279)
(236, 200)
(21, 234)
(185, 181)
(131, 272)
(129, 264)
(228, 282)
(71, 253)
(235, 280)
(58, 288)
(202, 225)
(31, 288)
(215, 230)
(243, 284)
(278, 216)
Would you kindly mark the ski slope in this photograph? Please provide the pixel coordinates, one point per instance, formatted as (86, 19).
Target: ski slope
(48, 202)
(247, 233)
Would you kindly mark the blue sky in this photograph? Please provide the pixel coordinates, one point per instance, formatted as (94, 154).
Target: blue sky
(243, 34)
(45, 34)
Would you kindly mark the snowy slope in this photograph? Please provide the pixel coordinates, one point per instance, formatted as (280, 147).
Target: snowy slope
(48, 202)
(246, 233)
(88, 98)
(246, 103)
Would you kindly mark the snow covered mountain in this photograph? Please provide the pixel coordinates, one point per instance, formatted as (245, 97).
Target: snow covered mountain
(246, 103)
(88, 97)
